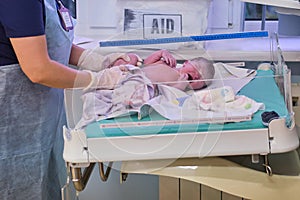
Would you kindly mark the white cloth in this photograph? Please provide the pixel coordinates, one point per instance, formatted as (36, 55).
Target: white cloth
(133, 91)
(235, 77)
(217, 105)
(214, 105)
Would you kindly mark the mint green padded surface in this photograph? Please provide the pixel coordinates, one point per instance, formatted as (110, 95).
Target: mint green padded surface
(262, 89)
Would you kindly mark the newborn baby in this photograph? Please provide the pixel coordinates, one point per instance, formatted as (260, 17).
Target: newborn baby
(160, 68)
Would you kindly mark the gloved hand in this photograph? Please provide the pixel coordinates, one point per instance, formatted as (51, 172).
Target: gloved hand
(106, 79)
(91, 60)
(134, 59)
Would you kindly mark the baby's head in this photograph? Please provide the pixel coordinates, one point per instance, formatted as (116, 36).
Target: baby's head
(205, 67)
(199, 69)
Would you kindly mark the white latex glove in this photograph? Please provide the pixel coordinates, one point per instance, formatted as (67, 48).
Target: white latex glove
(106, 79)
(134, 59)
(91, 60)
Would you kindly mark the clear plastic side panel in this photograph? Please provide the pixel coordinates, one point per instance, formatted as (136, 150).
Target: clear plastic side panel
(288, 97)
(283, 76)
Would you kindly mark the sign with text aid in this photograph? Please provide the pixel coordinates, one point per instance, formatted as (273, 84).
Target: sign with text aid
(162, 25)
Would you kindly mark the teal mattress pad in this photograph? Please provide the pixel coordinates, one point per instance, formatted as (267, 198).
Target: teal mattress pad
(262, 88)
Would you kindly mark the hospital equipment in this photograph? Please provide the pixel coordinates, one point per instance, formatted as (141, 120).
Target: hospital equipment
(153, 138)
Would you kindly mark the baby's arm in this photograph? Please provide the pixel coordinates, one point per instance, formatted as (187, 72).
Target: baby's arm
(161, 56)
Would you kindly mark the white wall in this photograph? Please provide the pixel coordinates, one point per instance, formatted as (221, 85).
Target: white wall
(98, 18)
(95, 18)
(225, 16)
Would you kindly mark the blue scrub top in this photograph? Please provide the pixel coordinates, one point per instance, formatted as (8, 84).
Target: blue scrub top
(26, 19)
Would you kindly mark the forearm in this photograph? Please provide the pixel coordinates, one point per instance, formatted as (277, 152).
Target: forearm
(39, 68)
(153, 58)
(76, 52)
(59, 76)
(161, 56)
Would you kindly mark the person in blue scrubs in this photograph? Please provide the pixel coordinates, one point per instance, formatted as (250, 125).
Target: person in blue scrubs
(35, 50)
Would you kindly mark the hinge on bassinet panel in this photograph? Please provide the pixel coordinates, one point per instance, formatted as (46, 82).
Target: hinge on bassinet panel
(267, 166)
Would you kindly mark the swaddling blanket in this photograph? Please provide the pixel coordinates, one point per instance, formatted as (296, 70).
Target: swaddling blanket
(212, 105)
(235, 77)
(133, 91)
(135, 94)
